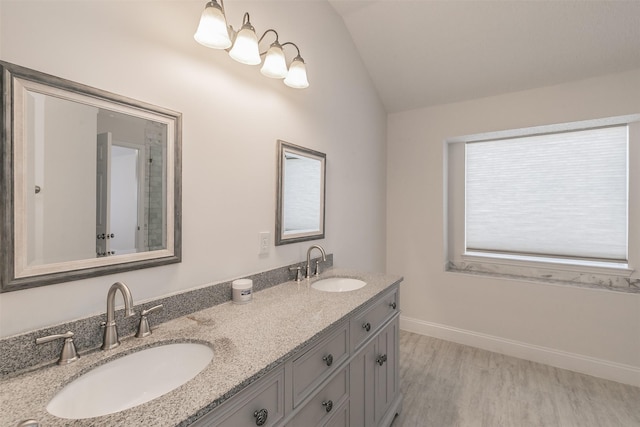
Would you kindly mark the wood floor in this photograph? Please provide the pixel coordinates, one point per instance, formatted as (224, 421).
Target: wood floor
(446, 384)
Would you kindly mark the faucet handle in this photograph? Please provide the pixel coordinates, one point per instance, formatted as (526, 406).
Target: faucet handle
(144, 330)
(298, 271)
(69, 353)
(317, 273)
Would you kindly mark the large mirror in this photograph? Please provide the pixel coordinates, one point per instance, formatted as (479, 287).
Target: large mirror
(90, 181)
(301, 189)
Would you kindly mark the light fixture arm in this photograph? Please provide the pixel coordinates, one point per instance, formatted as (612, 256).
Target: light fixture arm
(246, 19)
(265, 33)
(293, 44)
(262, 37)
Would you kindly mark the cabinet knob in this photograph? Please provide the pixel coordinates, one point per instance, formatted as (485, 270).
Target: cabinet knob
(393, 305)
(261, 416)
(381, 359)
(328, 405)
(328, 359)
(366, 326)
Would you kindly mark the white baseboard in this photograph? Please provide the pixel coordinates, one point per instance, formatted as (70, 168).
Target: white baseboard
(600, 368)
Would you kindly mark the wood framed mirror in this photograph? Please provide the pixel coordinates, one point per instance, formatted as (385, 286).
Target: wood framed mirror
(91, 181)
(301, 194)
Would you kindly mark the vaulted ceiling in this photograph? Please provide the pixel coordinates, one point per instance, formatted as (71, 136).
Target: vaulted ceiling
(427, 52)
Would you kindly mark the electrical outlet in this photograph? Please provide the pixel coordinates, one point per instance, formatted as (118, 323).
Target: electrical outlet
(264, 242)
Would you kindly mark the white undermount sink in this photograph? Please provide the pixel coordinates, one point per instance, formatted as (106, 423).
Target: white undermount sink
(130, 380)
(338, 284)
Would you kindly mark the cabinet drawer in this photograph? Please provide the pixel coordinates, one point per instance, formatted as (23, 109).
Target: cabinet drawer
(263, 399)
(366, 324)
(324, 404)
(316, 364)
(340, 418)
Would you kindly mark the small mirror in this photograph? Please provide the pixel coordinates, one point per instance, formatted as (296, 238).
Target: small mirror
(300, 204)
(91, 181)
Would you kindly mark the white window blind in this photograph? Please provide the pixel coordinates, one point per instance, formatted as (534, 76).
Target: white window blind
(555, 195)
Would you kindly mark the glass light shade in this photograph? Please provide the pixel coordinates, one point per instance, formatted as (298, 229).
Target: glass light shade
(297, 77)
(275, 64)
(245, 48)
(212, 31)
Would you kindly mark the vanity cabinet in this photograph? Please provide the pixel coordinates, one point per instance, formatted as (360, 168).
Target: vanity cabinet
(347, 377)
(374, 379)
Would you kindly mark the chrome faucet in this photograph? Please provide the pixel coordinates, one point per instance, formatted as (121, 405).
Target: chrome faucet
(110, 332)
(308, 267)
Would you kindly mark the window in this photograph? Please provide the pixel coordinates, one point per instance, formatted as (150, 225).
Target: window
(552, 195)
(546, 202)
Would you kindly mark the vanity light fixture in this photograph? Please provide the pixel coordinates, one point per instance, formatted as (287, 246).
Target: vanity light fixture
(297, 76)
(275, 63)
(212, 31)
(243, 46)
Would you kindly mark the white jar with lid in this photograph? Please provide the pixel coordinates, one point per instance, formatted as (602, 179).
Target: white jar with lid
(241, 291)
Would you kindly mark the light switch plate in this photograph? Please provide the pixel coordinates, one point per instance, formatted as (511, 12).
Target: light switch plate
(264, 242)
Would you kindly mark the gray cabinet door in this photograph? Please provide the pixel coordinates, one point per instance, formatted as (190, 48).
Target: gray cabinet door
(374, 374)
(362, 379)
(386, 371)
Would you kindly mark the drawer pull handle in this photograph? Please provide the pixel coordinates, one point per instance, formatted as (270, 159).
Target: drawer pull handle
(328, 405)
(261, 416)
(381, 359)
(367, 326)
(328, 359)
(393, 305)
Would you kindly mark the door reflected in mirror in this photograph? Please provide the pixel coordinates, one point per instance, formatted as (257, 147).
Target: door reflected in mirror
(301, 194)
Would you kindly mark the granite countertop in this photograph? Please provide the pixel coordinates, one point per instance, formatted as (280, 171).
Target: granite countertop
(247, 340)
